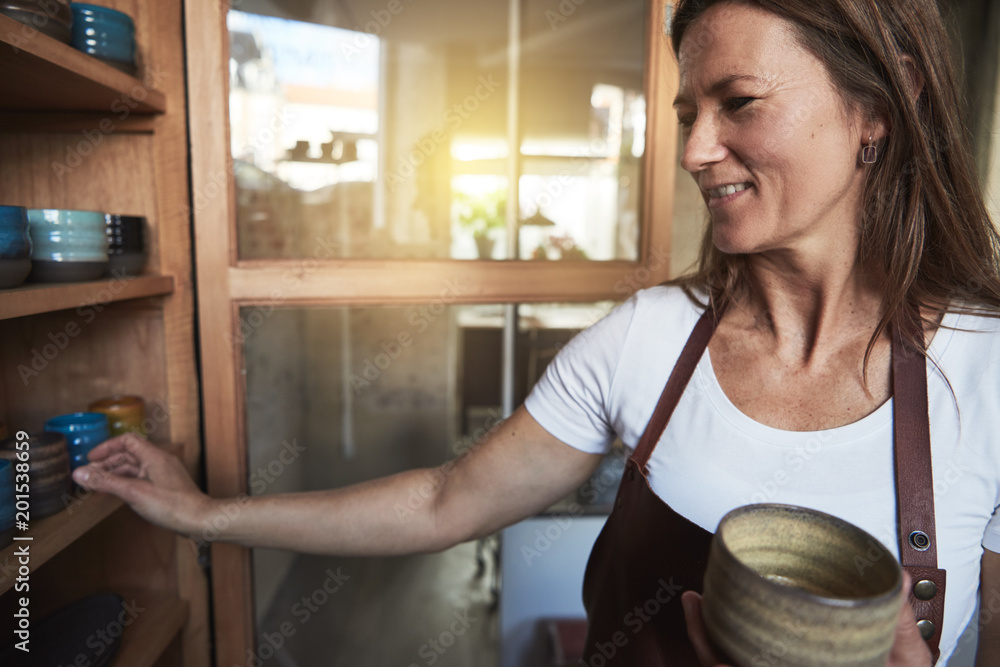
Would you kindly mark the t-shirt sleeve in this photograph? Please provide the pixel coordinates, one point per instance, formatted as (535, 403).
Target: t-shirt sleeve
(571, 399)
(991, 539)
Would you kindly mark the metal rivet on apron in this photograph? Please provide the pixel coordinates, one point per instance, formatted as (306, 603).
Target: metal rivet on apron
(631, 475)
(920, 541)
(620, 501)
(926, 628)
(924, 589)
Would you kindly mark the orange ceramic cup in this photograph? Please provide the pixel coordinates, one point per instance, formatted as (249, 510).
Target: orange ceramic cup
(125, 413)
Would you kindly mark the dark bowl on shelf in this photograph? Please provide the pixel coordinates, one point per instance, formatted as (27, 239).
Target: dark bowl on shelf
(48, 469)
(49, 17)
(15, 242)
(126, 244)
(47, 271)
(13, 272)
(86, 632)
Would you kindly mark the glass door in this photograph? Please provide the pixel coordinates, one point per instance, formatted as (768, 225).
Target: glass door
(402, 209)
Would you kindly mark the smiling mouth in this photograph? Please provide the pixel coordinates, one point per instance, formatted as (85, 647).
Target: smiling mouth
(726, 190)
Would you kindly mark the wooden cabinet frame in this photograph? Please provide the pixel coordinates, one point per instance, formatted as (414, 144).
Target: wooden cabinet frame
(225, 284)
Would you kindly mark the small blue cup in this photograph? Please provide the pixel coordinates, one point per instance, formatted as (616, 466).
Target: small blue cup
(83, 431)
(15, 242)
(103, 33)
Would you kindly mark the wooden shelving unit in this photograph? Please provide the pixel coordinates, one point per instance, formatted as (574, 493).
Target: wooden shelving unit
(120, 145)
(73, 81)
(45, 298)
(54, 533)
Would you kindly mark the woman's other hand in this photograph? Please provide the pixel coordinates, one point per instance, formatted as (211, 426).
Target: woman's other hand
(153, 482)
(908, 648)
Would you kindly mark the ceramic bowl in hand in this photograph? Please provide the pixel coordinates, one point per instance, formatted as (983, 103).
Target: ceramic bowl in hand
(791, 586)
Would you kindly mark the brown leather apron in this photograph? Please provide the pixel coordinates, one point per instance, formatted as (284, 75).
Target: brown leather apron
(647, 554)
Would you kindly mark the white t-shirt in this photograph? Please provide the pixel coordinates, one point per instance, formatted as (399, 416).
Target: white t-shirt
(712, 458)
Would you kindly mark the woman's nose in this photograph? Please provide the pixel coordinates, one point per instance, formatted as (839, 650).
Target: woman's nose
(703, 145)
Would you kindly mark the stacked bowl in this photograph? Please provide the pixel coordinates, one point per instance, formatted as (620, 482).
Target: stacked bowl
(50, 17)
(15, 246)
(6, 503)
(67, 246)
(48, 470)
(126, 244)
(105, 34)
(83, 432)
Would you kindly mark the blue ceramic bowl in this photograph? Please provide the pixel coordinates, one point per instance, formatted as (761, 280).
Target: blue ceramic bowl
(15, 242)
(67, 236)
(103, 33)
(83, 431)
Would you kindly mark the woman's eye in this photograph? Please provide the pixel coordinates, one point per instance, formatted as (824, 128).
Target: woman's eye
(736, 103)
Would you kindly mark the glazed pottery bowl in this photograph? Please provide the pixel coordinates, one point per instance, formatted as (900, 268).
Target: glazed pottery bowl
(104, 33)
(126, 244)
(791, 586)
(15, 246)
(48, 469)
(125, 413)
(49, 17)
(67, 246)
(83, 432)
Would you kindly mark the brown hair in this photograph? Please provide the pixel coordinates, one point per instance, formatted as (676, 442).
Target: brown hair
(925, 224)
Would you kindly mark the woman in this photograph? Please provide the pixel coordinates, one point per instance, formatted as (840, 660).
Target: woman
(844, 210)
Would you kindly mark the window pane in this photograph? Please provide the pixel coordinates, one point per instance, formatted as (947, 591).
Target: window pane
(583, 123)
(337, 396)
(366, 133)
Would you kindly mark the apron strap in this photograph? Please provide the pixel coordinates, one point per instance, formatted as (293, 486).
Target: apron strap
(679, 378)
(915, 480)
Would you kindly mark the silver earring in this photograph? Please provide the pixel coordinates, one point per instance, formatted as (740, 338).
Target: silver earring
(869, 154)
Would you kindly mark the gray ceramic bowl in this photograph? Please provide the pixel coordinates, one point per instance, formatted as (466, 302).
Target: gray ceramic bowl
(790, 586)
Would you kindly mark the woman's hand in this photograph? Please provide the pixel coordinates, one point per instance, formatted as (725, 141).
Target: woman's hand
(908, 648)
(155, 483)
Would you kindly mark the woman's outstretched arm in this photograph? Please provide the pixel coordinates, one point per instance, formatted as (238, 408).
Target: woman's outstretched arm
(519, 470)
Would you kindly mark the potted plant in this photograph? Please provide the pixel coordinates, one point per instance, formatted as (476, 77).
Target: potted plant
(480, 214)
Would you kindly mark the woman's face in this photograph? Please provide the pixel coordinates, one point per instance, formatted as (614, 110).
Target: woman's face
(767, 139)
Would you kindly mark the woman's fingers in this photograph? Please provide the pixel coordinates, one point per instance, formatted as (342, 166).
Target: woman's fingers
(908, 649)
(696, 629)
(127, 444)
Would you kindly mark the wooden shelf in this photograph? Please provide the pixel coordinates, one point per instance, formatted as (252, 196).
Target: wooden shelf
(54, 533)
(33, 299)
(43, 74)
(148, 637)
